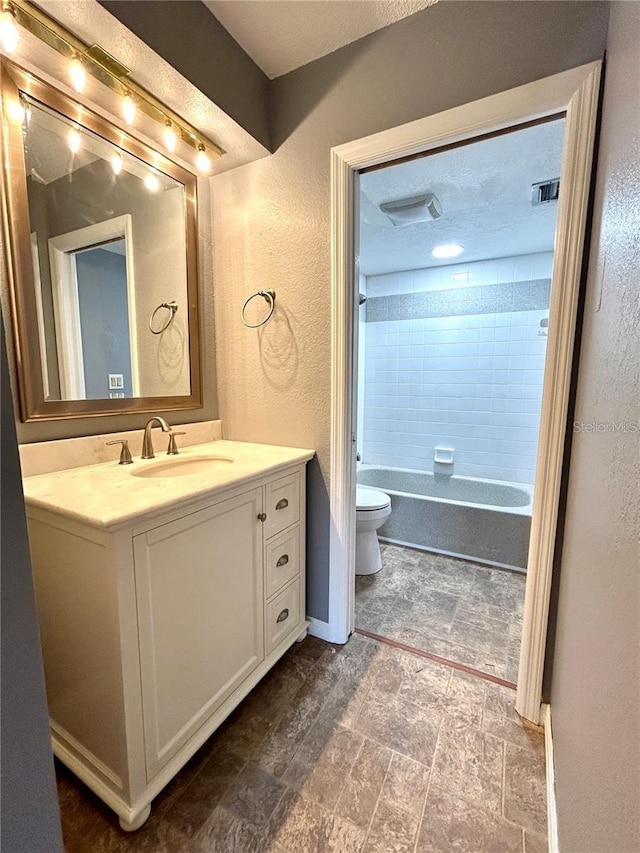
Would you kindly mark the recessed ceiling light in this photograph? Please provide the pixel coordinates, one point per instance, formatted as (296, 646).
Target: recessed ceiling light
(447, 250)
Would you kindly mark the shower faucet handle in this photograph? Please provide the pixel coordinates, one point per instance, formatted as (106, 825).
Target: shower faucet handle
(125, 453)
(173, 447)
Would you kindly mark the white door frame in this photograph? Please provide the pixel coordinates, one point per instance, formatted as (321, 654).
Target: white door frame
(576, 93)
(66, 306)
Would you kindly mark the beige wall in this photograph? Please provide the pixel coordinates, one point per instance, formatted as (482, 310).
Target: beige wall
(159, 257)
(271, 218)
(595, 689)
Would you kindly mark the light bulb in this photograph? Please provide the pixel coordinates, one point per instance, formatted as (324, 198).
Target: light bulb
(17, 111)
(8, 30)
(152, 183)
(75, 140)
(170, 137)
(116, 162)
(78, 74)
(128, 109)
(202, 161)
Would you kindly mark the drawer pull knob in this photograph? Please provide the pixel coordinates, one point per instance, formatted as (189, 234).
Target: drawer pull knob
(284, 615)
(262, 516)
(283, 560)
(282, 504)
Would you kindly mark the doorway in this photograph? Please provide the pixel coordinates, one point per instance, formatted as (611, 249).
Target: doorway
(575, 93)
(455, 263)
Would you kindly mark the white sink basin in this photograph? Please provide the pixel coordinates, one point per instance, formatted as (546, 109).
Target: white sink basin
(182, 467)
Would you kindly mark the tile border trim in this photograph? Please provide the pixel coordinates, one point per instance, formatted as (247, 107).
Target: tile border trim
(486, 676)
(462, 301)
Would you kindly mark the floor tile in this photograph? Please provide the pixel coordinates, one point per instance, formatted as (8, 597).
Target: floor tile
(346, 837)
(392, 831)
(405, 785)
(451, 823)
(244, 731)
(524, 794)
(450, 607)
(228, 833)
(253, 795)
(400, 726)
(445, 577)
(191, 810)
(501, 719)
(282, 742)
(323, 763)
(469, 763)
(338, 750)
(300, 825)
(363, 785)
(534, 843)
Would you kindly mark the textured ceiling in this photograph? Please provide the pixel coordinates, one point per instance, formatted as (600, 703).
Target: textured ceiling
(485, 192)
(281, 35)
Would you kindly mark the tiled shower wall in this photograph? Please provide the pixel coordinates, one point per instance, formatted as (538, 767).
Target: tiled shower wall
(453, 358)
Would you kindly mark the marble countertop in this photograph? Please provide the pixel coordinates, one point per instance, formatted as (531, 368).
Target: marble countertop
(109, 495)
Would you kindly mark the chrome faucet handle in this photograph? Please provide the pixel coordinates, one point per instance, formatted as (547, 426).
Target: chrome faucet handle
(125, 453)
(173, 448)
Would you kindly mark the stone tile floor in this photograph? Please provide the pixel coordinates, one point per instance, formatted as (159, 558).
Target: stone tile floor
(362, 748)
(459, 610)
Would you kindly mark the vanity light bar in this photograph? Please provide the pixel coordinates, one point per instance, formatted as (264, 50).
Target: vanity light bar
(96, 62)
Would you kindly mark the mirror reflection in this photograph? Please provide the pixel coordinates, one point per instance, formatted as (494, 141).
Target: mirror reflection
(108, 244)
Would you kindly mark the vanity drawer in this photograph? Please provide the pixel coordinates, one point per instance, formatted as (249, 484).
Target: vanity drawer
(283, 615)
(283, 503)
(282, 560)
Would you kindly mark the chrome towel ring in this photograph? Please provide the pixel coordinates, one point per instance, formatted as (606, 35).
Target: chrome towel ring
(270, 297)
(172, 307)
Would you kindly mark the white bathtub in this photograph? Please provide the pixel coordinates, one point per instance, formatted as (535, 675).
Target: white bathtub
(483, 520)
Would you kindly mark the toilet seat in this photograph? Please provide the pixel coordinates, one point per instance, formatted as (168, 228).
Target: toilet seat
(368, 500)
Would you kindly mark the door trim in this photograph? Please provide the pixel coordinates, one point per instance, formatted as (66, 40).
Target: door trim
(576, 93)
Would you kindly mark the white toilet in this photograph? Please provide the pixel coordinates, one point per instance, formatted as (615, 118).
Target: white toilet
(373, 508)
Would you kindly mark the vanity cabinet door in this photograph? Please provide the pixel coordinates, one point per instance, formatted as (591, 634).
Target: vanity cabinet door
(199, 591)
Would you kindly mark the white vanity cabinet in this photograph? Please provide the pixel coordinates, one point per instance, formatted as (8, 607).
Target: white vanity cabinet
(200, 603)
(154, 631)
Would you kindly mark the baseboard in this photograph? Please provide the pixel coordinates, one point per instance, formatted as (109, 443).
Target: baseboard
(320, 629)
(552, 812)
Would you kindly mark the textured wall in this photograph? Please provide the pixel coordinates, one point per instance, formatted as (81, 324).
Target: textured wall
(199, 47)
(595, 691)
(271, 218)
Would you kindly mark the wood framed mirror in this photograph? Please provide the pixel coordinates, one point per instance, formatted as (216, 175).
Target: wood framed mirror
(101, 234)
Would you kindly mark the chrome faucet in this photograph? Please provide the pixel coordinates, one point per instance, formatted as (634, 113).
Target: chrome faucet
(147, 443)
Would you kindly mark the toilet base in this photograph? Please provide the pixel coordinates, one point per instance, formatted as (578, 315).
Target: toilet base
(368, 557)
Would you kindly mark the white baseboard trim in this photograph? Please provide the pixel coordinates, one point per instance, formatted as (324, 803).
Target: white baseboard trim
(320, 629)
(552, 812)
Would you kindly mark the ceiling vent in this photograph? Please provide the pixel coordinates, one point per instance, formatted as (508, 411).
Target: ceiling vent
(421, 208)
(545, 191)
